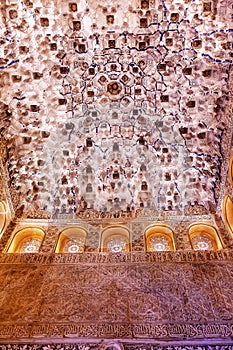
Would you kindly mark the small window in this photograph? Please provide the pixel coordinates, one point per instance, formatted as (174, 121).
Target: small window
(116, 244)
(30, 245)
(74, 245)
(71, 240)
(159, 238)
(158, 242)
(27, 240)
(115, 240)
(204, 237)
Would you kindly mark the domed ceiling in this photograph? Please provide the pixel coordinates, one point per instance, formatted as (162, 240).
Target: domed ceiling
(112, 109)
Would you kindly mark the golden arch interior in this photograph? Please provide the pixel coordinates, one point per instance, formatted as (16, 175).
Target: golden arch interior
(204, 237)
(228, 213)
(3, 217)
(27, 240)
(115, 239)
(71, 240)
(159, 238)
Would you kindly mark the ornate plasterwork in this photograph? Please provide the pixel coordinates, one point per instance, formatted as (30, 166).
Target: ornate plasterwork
(107, 258)
(155, 295)
(160, 332)
(179, 347)
(114, 346)
(108, 110)
(113, 114)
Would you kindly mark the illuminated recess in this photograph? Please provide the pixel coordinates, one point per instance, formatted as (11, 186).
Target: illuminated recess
(228, 214)
(31, 245)
(71, 240)
(204, 237)
(27, 240)
(115, 240)
(159, 238)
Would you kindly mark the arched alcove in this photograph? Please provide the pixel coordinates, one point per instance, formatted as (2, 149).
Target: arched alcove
(71, 240)
(204, 236)
(159, 237)
(3, 217)
(115, 239)
(228, 214)
(27, 240)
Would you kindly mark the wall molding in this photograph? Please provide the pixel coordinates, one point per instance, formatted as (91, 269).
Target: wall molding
(128, 257)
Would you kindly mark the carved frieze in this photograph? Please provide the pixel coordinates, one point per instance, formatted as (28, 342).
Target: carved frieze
(128, 257)
(160, 296)
(113, 346)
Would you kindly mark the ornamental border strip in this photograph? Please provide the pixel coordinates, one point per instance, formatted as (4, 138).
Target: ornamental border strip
(118, 330)
(117, 258)
(104, 345)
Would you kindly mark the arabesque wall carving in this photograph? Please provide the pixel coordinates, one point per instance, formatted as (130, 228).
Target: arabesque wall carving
(100, 346)
(132, 295)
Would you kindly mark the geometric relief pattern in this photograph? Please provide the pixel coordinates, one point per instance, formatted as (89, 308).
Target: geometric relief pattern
(111, 109)
(162, 300)
(97, 346)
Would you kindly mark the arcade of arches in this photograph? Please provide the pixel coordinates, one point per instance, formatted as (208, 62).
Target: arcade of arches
(116, 174)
